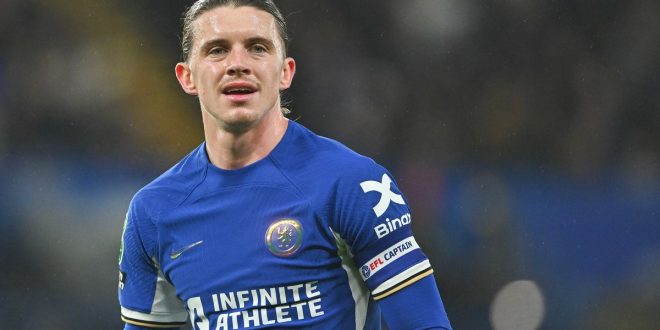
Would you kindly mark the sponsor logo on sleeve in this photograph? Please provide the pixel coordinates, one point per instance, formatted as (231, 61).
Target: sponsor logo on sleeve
(386, 194)
(121, 245)
(383, 229)
(388, 256)
(122, 280)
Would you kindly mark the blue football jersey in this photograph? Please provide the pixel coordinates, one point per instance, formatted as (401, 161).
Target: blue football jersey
(308, 237)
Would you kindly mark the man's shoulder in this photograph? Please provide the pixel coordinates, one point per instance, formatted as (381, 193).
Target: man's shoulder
(171, 188)
(324, 158)
(326, 153)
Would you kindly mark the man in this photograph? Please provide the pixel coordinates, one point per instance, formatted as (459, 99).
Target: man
(267, 225)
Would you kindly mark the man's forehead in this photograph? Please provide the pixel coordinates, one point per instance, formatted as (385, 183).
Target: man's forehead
(229, 21)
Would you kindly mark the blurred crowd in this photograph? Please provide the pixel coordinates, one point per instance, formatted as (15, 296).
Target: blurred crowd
(526, 135)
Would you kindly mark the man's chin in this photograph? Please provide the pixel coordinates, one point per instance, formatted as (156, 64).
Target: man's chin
(240, 121)
(237, 120)
(238, 127)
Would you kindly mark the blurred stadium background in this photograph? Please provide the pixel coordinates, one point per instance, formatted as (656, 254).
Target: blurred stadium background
(526, 135)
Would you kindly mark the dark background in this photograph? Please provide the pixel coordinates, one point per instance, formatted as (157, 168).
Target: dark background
(526, 135)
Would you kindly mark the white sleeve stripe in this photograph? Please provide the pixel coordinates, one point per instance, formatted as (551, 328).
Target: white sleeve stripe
(406, 274)
(404, 284)
(179, 317)
(152, 324)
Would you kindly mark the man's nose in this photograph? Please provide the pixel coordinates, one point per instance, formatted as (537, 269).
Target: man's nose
(237, 63)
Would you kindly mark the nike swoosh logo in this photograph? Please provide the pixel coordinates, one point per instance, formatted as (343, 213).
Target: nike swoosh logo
(176, 254)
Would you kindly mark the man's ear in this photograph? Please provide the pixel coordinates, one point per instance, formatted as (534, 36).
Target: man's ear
(288, 71)
(184, 75)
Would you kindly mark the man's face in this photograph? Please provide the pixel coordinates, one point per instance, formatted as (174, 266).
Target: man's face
(236, 65)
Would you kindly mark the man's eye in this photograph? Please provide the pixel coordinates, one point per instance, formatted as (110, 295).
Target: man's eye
(259, 49)
(217, 51)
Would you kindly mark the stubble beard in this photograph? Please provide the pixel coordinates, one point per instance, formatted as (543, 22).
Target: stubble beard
(237, 123)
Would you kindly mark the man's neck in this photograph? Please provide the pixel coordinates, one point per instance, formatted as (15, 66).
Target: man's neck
(230, 150)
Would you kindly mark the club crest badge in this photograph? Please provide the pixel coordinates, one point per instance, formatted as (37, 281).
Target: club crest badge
(284, 237)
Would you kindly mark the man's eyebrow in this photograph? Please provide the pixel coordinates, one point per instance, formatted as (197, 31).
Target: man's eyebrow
(250, 41)
(260, 40)
(216, 41)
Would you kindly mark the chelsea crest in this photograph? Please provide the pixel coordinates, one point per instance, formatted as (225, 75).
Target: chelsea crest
(284, 237)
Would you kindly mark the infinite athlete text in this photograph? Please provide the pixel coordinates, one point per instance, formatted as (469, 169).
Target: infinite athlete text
(257, 307)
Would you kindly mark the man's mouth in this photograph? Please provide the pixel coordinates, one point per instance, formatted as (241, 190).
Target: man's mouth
(238, 89)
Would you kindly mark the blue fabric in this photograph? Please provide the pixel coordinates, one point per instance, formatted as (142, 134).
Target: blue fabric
(417, 306)
(262, 245)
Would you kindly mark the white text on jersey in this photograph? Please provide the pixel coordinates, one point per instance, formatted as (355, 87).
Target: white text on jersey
(388, 256)
(257, 307)
(391, 225)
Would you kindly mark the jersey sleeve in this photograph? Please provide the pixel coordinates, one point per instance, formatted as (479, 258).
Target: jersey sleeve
(374, 219)
(418, 306)
(147, 299)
